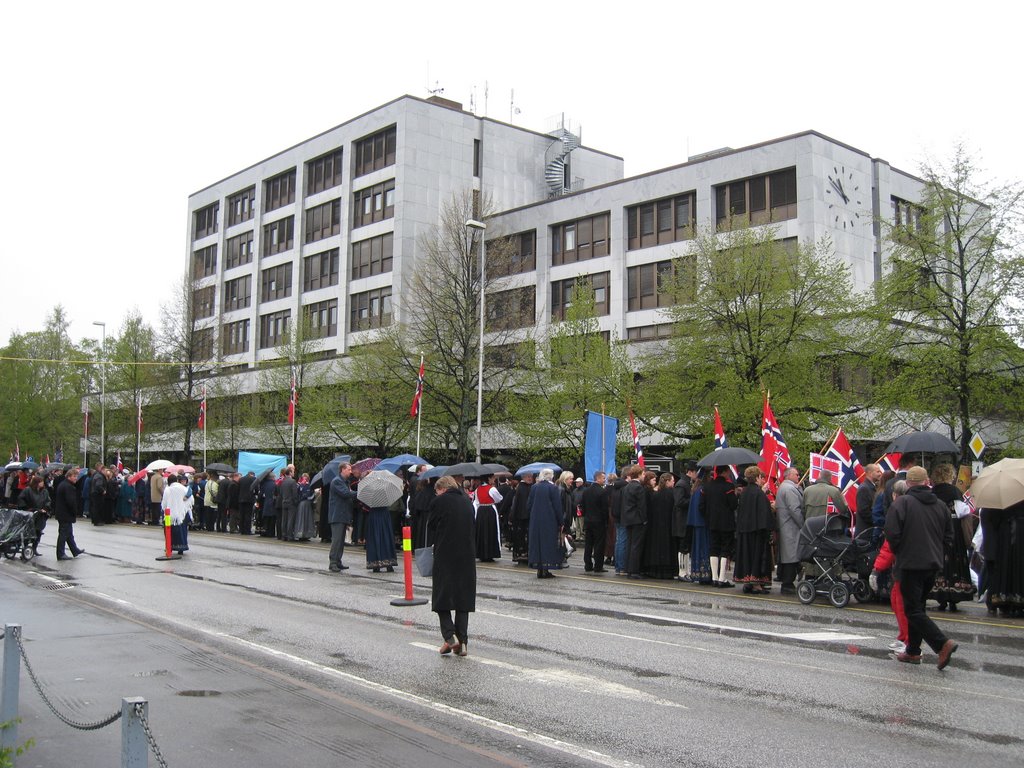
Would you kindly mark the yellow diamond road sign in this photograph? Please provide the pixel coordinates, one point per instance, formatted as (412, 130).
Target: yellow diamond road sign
(977, 445)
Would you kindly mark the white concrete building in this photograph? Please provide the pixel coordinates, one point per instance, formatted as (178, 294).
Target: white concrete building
(330, 226)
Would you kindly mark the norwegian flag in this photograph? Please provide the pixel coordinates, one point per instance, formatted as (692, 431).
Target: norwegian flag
(17, 451)
(140, 417)
(890, 462)
(120, 464)
(851, 473)
(819, 464)
(830, 508)
(637, 448)
(59, 456)
(293, 401)
(969, 501)
(86, 427)
(201, 423)
(721, 442)
(414, 411)
(775, 457)
(47, 459)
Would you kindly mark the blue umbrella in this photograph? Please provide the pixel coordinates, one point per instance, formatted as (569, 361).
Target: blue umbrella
(536, 467)
(395, 463)
(432, 473)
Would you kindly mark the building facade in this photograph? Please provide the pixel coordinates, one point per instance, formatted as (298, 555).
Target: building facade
(329, 228)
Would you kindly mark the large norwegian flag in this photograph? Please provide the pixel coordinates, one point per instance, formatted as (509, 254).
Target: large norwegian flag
(775, 457)
(293, 401)
(721, 442)
(819, 464)
(851, 473)
(201, 423)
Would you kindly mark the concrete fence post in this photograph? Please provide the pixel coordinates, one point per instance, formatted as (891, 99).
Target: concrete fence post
(11, 682)
(134, 746)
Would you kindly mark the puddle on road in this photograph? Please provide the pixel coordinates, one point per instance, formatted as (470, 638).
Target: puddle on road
(198, 694)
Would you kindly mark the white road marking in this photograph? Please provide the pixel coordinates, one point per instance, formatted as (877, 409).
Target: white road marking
(290, 578)
(566, 679)
(44, 576)
(512, 730)
(823, 635)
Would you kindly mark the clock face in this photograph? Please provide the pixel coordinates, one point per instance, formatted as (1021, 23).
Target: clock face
(845, 194)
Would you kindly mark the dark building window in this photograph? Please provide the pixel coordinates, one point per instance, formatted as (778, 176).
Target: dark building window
(320, 270)
(372, 256)
(516, 308)
(522, 256)
(650, 332)
(202, 302)
(646, 284)
(239, 250)
(374, 203)
(205, 221)
(204, 262)
(322, 318)
(202, 343)
(376, 151)
(274, 328)
(661, 221)
(579, 240)
(323, 221)
(235, 337)
(562, 291)
(757, 200)
(279, 191)
(242, 206)
(370, 309)
(276, 283)
(279, 236)
(476, 158)
(323, 172)
(238, 293)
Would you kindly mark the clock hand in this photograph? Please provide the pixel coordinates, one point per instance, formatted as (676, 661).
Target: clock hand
(842, 192)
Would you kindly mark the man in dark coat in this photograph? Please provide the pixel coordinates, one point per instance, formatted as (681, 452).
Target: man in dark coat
(223, 494)
(288, 493)
(865, 501)
(919, 530)
(232, 505)
(268, 505)
(454, 579)
(544, 507)
(246, 501)
(718, 505)
(634, 517)
(97, 495)
(519, 519)
(66, 511)
(594, 502)
(339, 514)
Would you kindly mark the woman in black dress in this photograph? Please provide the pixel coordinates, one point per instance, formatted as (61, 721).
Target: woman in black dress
(661, 559)
(754, 526)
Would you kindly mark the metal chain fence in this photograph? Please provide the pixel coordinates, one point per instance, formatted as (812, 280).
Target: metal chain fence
(139, 708)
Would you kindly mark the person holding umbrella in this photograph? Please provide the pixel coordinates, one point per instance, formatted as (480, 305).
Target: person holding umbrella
(378, 491)
(453, 589)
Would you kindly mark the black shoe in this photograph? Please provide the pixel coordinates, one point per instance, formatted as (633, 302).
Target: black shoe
(63, 557)
(787, 590)
(599, 570)
(391, 569)
(79, 552)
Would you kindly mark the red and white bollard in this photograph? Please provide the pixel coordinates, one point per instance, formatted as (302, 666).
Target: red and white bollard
(168, 555)
(407, 562)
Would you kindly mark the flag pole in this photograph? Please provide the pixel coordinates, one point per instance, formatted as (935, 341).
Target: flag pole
(205, 419)
(419, 411)
(604, 451)
(138, 434)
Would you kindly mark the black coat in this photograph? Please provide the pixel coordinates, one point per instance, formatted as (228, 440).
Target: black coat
(753, 512)
(66, 507)
(595, 505)
(681, 509)
(718, 505)
(634, 504)
(919, 529)
(452, 533)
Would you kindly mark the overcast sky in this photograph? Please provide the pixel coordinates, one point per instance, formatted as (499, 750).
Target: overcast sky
(115, 112)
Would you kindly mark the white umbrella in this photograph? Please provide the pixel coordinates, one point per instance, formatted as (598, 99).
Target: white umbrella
(156, 466)
(379, 489)
(999, 485)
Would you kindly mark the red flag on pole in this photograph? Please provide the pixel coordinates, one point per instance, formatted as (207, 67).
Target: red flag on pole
(851, 473)
(775, 457)
(636, 440)
(414, 411)
(140, 417)
(120, 464)
(293, 401)
(202, 411)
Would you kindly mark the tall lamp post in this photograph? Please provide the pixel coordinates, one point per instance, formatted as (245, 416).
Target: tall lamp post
(480, 226)
(103, 392)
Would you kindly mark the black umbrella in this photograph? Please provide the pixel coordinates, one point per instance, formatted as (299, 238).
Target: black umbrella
(923, 442)
(466, 469)
(29, 465)
(215, 467)
(317, 481)
(728, 456)
(494, 469)
(261, 476)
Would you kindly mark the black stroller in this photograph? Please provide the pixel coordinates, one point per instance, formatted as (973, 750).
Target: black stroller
(842, 564)
(19, 533)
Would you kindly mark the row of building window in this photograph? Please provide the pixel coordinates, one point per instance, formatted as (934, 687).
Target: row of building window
(325, 172)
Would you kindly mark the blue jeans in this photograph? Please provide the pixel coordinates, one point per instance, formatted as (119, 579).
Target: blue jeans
(621, 547)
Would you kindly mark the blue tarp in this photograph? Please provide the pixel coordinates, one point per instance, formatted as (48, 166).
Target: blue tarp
(257, 462)
(594, 458)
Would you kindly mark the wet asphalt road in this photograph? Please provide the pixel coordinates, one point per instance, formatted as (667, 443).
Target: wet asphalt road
(282, 662)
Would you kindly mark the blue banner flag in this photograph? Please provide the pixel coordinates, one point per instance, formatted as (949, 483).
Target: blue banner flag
(599, 445)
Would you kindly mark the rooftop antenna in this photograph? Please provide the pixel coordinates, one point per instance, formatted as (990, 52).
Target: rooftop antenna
(486, 94)
(437, 90)
(472, 100)
(513, 110)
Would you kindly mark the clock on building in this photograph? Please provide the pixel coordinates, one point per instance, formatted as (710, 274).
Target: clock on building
(845, 194)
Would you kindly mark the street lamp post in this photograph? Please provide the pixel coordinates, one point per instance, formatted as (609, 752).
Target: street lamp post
(481, 227)
(103, 391)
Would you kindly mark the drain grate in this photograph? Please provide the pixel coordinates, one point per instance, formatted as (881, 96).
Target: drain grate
(58, 585)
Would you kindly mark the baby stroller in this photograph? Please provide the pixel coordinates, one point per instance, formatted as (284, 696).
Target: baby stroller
(842, 564)
(19, 533)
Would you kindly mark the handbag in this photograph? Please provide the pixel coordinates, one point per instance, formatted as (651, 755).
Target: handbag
(425, 560)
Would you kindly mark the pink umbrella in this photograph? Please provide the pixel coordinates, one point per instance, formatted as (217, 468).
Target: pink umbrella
(365, 465)
(181, 469)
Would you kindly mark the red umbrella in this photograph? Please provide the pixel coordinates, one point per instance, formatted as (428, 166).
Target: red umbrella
(132, 480)
(365, 465)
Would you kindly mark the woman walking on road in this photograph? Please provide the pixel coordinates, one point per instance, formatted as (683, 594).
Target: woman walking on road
(450, 528)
